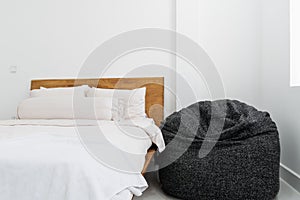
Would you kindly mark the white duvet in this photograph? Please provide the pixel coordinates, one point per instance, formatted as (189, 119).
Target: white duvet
(46, 160)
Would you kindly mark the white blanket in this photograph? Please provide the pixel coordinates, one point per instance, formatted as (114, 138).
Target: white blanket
(45, 160)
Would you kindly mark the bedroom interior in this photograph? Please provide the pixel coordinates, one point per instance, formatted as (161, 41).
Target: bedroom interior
(148, 103)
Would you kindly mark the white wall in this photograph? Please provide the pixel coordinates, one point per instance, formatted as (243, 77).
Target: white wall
(295, 42)
(51, 39)
(230, 32)
(278, 97)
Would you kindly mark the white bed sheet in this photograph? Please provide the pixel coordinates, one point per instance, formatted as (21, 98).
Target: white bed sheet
(45, 159)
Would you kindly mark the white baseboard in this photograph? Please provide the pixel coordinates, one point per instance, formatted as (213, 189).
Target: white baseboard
(289, 176)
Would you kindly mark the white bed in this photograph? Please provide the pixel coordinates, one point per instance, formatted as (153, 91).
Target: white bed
(49, 159)
(45, 158)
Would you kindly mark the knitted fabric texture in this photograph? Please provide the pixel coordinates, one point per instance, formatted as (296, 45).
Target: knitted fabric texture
(240, 161)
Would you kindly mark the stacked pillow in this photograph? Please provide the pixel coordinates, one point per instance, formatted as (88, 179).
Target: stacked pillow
(61, 91)
(127, 104)
(83, 102)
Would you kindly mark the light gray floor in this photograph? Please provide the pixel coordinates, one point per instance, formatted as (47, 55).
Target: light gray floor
(154, 192)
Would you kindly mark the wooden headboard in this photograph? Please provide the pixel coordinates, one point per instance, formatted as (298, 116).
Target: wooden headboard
(154, 96)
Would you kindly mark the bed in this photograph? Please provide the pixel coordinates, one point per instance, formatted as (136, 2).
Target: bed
(45, 159)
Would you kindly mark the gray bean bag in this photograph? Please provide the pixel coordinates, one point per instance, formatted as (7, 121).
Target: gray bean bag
(239, 163)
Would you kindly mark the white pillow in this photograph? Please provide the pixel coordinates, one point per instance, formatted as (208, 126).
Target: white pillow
(93, 108)
(64, 107)
(127, 104)
(43, 92)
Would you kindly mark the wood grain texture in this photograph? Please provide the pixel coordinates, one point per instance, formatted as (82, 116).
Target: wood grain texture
(154, 95)
(149, 157)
